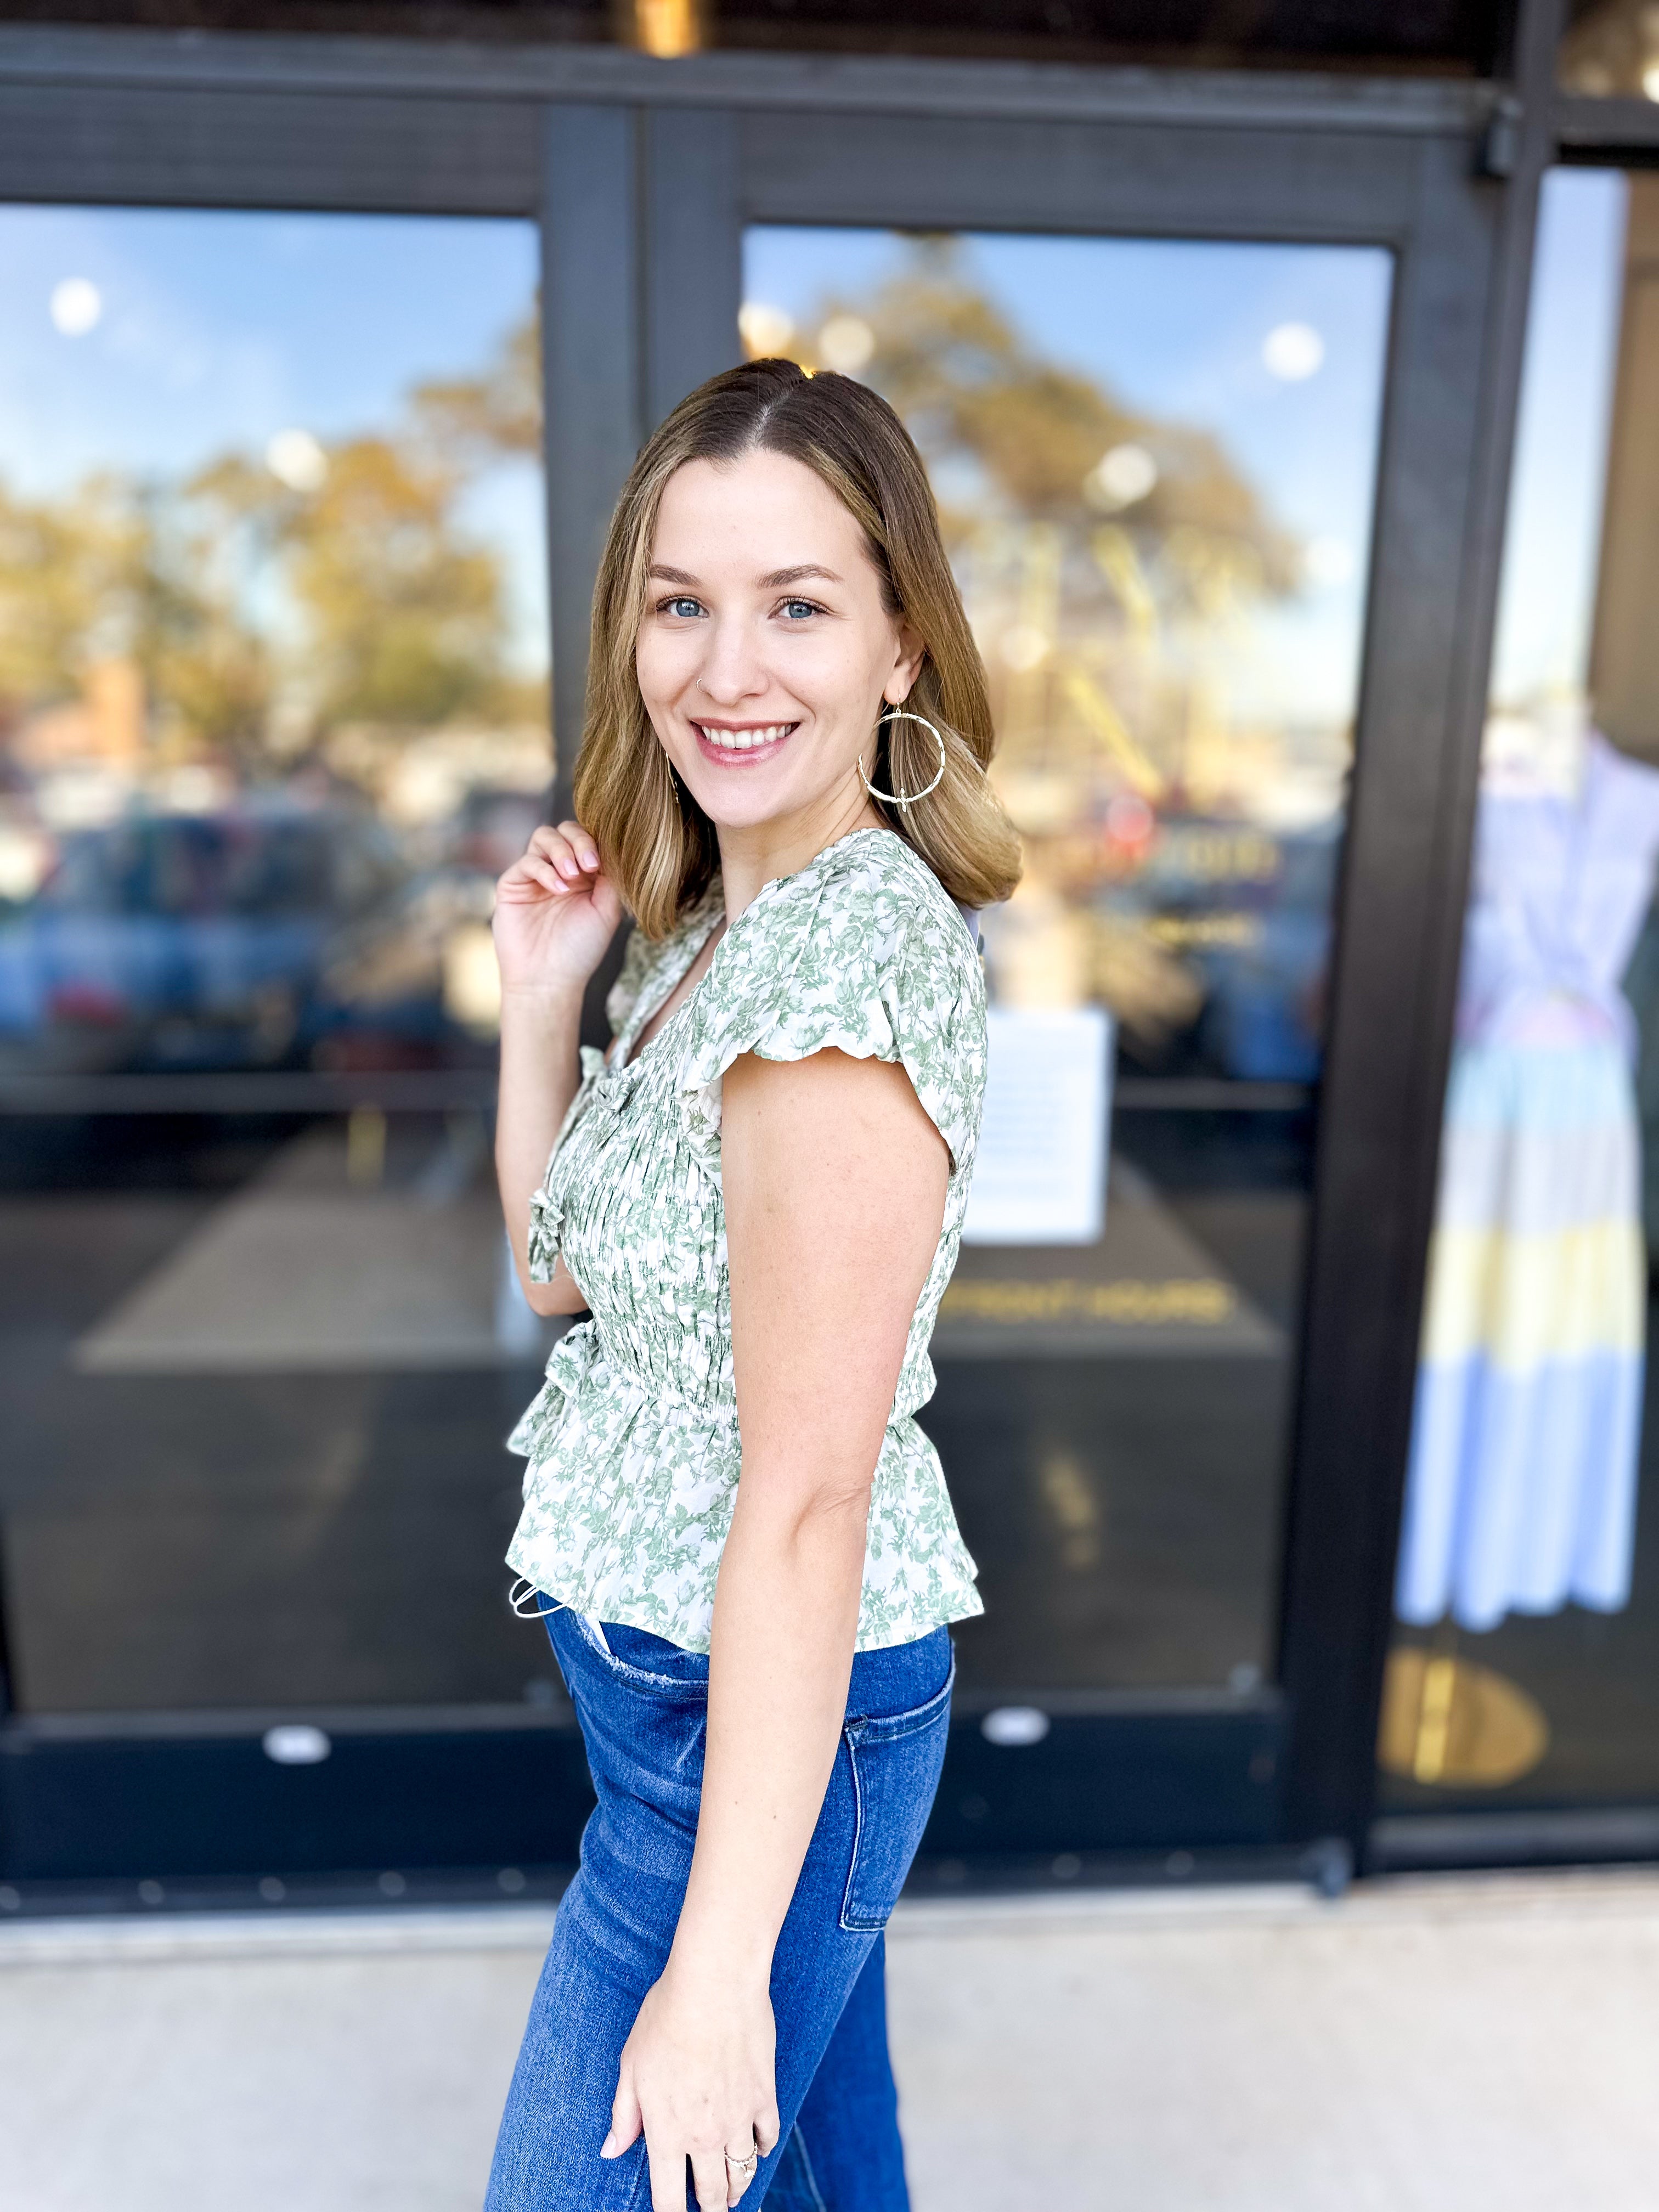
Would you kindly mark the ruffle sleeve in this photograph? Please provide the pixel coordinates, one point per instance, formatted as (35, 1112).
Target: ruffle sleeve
(867, 956)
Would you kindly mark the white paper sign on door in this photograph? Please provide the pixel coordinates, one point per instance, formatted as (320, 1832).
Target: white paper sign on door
(1040, 1173)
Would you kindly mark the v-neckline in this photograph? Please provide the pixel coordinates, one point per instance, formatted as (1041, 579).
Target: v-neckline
(631, 1059)
(641, 1019)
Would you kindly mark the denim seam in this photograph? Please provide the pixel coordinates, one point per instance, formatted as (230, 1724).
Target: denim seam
(818, 2204)
(642, 2181)
(851, 1926)
(889, 1728)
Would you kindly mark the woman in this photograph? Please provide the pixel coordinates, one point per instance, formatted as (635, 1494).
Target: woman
(758, 1192)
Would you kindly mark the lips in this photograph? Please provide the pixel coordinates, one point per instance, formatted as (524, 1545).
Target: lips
(732, 745)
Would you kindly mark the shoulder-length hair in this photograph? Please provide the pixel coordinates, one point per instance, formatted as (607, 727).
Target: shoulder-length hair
(657, 844)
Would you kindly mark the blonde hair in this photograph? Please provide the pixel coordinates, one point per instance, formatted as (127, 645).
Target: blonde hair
(656, 842)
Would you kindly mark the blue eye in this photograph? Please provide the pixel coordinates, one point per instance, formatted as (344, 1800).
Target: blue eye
(687, 608)
(798, 610)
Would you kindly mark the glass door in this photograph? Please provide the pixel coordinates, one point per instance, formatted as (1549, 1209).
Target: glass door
(1156, 460)
(273, 715)
(1524, 1683)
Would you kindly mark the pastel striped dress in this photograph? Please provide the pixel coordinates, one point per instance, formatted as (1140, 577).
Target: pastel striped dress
(1522, 1491)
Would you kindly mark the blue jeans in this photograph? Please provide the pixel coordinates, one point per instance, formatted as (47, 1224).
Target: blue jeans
(642, 1705)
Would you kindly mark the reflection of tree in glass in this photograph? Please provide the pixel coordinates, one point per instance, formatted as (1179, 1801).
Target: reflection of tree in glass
(402, 617)
(224, 667)
(1111, 562)
(265, 619)
(1061, 504)
(473, 420)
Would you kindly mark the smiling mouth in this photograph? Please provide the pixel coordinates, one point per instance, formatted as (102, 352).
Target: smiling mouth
(752, 738)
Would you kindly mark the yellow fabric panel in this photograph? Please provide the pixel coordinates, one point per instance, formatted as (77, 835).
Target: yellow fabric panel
(1522, 1300)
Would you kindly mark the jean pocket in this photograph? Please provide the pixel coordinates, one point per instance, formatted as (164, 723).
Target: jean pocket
(895, 1762)
(631, 1657)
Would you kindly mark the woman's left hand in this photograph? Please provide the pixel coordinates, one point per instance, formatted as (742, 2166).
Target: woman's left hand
(697, 2075)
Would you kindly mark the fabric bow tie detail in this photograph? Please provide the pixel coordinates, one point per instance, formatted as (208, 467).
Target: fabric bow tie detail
(606, 1086)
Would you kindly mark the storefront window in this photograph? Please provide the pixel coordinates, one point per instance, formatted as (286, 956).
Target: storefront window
(1155, 463)
(1526, 1665)
(273, 715)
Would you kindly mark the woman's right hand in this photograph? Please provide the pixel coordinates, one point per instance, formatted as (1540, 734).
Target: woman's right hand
(556, 912)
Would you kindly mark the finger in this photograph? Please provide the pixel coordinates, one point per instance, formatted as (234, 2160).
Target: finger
(766, 2131)
(569, 847)
(557, 855)
(708, 2173)
(667, 2177)
(626, 2119)
(525, 873)
(559, 882)
(737, 2178)
(554, 847)
(583, 850)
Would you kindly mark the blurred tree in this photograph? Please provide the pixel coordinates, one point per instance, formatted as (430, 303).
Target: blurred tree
(472, 420)
(207, 664)
(264, 615)
(1104, 552)
(1110, 560)
(68, 569)
(405, 617)
(1033, 437)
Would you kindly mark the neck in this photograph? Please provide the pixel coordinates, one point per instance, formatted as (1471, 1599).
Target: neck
(757, 853)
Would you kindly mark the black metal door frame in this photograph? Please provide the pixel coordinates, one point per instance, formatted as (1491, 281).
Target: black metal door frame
(641, 175)
(1294, 1766)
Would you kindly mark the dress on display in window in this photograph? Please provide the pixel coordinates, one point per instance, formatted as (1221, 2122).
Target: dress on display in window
(1522, 1491)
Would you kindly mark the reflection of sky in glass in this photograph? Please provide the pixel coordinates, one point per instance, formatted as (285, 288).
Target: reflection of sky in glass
(216, 331)
(1176, 330)
(1550, 555)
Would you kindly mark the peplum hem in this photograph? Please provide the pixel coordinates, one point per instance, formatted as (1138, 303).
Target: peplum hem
(629, 1494)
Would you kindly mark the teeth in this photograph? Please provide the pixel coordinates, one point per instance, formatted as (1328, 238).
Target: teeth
(742, 741)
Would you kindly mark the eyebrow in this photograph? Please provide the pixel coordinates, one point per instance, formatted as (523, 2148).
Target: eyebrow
(776, 581)
(780, 577)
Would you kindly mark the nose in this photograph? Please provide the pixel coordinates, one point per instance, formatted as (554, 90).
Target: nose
(732, 669)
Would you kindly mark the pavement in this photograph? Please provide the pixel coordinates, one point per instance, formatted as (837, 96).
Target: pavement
(1420, 2045)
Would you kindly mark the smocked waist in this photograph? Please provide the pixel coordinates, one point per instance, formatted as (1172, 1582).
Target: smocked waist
(582, 1360)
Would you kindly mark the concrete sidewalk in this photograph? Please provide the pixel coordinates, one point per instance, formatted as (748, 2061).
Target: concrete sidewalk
(1422, 2046)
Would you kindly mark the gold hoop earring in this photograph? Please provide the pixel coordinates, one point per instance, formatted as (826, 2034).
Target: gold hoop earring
(905, 798)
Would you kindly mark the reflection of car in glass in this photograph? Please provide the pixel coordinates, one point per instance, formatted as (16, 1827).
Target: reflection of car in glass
(492, 826)
(1263, 961)
(411, 981)
(186, 940)
(1241, 916)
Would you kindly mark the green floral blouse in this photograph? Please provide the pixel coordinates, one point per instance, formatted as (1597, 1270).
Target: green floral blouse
(633, 1441)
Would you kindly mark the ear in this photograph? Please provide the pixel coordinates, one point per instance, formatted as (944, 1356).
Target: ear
(909, 652)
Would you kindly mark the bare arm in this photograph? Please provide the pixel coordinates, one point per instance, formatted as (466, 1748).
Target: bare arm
(554, 914)
(825, 1268)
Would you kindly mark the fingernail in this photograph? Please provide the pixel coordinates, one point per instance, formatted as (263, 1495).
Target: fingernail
(607, 2148)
